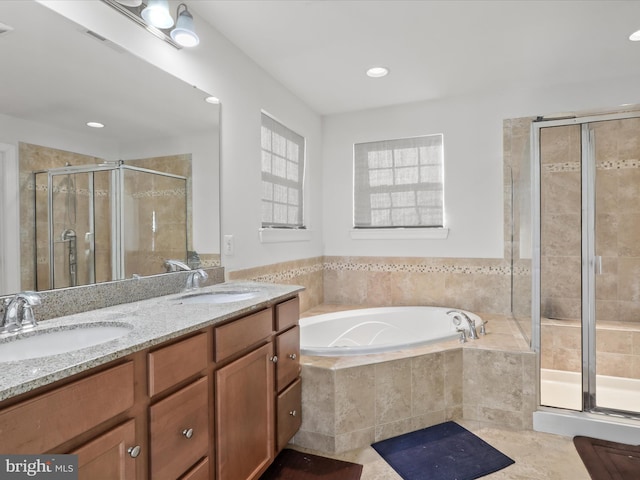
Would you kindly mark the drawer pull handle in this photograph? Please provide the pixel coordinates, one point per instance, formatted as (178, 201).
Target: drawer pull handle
(293, 413)
(188, 433)
(293, 356)
(134, 451)
(274, 359)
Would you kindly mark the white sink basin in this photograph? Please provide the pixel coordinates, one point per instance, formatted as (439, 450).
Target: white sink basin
(53, 342)
(226, 296)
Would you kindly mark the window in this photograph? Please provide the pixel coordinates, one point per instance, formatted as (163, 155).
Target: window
(399, 183)
(283, 153)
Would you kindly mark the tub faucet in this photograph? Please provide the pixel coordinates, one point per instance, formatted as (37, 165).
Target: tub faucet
(18, 314)
(194, 278)
(175, 266)
(471, 324)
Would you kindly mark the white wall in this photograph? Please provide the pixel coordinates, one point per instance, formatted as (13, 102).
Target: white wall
(472, 128)
(218, 67)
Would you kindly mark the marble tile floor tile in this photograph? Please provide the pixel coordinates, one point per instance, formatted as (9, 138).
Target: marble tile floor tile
(538, 456)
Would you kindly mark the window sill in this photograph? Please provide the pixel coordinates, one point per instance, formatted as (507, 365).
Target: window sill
(399, 233)
(282, 235)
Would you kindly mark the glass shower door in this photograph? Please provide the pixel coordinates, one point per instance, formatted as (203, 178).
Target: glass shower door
(64, 229)
(613, 151)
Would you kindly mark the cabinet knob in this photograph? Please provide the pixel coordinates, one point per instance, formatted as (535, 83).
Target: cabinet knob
(134, 451)
(188, 433)
(293, 356)
(293, 413)
(274, 359)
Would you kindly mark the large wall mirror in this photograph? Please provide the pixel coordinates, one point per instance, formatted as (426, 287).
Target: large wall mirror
(100, 204)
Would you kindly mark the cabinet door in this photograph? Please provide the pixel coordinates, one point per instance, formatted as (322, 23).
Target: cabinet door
(108, 457)
(245, 415)
(179, 431)
(288, 351)
(289, 413)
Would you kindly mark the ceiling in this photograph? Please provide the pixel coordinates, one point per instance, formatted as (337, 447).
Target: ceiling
(320, 49)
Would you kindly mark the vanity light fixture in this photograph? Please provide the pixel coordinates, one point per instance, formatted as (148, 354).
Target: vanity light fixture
(130, 3)
(95, 125)
(156, 14)
(184, 33)
(635, 36)
(377, 72)
(155, 17)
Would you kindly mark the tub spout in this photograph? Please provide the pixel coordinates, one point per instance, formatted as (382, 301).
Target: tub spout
(471, 324)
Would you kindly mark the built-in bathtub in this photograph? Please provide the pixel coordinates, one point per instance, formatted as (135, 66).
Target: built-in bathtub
(350, 401)
(376, 330)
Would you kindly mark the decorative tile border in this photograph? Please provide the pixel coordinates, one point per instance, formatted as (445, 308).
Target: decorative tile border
(289, 274)
(418, 268)
(606, 165)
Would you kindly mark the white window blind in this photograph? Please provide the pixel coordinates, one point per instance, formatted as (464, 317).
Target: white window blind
(283, 153)
(399, 183)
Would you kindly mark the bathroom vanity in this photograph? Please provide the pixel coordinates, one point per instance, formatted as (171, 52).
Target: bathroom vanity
(218, 398)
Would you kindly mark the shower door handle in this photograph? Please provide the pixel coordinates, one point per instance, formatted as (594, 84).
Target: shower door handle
(597, 264)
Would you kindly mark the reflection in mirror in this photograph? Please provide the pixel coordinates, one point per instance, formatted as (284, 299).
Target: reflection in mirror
(101, 204)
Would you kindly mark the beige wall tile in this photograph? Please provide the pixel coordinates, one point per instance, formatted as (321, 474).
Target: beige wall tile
(393, 391)
(355, 399)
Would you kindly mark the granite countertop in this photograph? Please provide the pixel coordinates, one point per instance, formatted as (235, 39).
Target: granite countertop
(152, 322)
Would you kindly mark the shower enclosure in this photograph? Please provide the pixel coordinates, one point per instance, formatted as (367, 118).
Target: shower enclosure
(586, 265)
(96, 223)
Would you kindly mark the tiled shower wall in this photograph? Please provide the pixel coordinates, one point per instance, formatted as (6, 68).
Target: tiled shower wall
(478, 285)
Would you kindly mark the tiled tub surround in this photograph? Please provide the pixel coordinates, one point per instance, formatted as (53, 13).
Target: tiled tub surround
(153, 321)
(470, 284)
(350, 402)
(307, 273)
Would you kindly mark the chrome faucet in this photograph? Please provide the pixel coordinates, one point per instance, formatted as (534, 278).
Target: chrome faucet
(18, 314)
(194, 278)
(471, 324)
(175, 266)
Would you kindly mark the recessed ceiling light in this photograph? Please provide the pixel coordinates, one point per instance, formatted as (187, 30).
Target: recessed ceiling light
(635, 36)
(377, 72)
(95, 125)
(212, 99)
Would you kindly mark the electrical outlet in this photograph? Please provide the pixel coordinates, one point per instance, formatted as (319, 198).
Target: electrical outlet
(228, 244)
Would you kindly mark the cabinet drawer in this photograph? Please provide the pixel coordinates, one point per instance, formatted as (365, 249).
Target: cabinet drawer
(107, 455)
(177, 362)
(199, 472)
(179, 431)
(288, 352)
(287, 314)
(289, 413)
(42, 423)
(242, 333)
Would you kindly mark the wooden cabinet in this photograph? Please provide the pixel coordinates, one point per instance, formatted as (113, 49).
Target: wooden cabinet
(244, 415)
(179, 431)
(111, 456)
(219, 403)
(51, 419)
(259, 373)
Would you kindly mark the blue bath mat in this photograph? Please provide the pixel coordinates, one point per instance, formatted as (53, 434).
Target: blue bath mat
(442, 452)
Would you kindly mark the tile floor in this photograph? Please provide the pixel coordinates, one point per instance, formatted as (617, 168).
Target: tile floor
(538, 456)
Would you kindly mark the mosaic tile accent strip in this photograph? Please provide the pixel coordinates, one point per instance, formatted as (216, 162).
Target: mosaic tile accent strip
(561, 167)
(418, 268)
(290, 274)
(607, 165)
